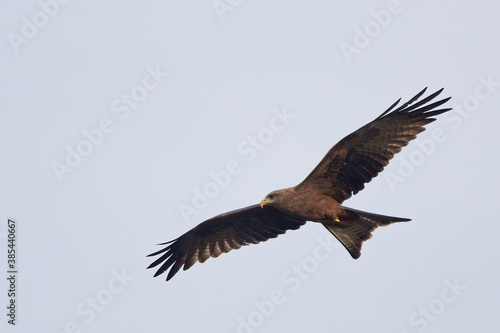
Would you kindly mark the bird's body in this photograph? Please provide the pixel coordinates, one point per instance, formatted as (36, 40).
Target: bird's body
(352, 162)
(299, 204)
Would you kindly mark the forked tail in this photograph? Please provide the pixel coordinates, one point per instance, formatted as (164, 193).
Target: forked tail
(356, 226)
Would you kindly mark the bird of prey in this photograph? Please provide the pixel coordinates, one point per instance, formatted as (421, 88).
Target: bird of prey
(352, 162)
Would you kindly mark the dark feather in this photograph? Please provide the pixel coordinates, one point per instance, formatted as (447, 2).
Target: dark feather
(363, 154)
(222, 234)
(356, 227)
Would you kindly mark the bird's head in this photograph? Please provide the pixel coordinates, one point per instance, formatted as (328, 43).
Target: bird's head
(274, 198)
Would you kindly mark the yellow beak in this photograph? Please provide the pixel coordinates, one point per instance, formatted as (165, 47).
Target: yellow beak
(265, 201)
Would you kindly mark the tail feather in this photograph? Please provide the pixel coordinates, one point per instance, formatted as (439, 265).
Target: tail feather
(356, 226)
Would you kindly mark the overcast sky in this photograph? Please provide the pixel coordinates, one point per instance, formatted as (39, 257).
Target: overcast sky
(124, 124)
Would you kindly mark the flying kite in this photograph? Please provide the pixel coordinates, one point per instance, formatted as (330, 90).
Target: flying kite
(343, 172)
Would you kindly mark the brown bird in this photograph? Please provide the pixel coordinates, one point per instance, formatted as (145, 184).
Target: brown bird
(352, 162)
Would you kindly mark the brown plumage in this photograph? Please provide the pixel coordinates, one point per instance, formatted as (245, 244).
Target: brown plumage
(352, 162)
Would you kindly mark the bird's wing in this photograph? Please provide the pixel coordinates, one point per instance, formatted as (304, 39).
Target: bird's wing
(221, 234)
(360, 156)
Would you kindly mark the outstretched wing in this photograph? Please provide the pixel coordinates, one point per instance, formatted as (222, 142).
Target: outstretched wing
(221, 234)
(363, 154)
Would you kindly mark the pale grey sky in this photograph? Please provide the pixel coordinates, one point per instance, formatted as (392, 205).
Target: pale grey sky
(116, 115)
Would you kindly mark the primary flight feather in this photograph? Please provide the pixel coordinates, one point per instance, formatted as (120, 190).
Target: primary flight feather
(352, 162)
